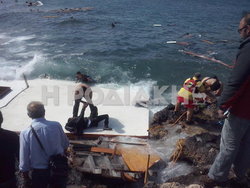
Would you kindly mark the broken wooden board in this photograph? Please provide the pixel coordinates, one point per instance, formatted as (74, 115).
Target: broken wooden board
(136, 157)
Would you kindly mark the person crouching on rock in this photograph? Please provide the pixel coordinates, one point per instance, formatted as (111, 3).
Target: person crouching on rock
(185, 96)
(213, 86)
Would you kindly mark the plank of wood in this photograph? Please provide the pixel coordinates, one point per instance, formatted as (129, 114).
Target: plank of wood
(207, 58)
(102, 150)
(136, 157)
(207, 41)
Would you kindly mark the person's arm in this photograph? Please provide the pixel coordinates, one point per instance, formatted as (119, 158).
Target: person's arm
(24, 155)
(219, 91)
(90, 79)
(64, 138)
(84, 85)
(17, 147)
(236, 83)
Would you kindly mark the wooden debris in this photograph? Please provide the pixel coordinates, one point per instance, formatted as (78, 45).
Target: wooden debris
(207, 41)
(136, 157)
(207, 58)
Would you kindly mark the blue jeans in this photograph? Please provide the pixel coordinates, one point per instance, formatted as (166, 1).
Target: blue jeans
(234, 149)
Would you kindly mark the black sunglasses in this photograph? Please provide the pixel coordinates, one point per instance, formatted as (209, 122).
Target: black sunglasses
(240, 30)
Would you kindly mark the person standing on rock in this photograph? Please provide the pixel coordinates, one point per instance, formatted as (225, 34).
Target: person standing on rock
(235, 136)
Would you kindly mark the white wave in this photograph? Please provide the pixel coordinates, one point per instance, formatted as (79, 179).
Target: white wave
(17, 49)
(29, 67)
(125, 94)
(3, 36)
(36, 44)
(13, 70)
(18, 39)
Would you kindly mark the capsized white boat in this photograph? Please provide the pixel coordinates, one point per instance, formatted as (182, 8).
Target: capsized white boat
(57, 95)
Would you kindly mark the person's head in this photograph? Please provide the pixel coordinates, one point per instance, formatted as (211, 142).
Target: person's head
(197, 75)
(215, 86)
(35, 110)
(78, 75)
(244, 26)
(213, 83)
(1, 119)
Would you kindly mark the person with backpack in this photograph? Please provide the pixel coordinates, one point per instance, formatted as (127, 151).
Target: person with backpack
(38, 144)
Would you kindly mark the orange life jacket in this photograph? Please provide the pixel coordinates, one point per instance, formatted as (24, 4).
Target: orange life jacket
(190, 84)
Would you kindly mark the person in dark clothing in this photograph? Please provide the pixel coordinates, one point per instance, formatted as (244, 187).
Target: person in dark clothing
(78, 124)
(235, 136)
(82, 91)
(9, 154)
(83, 78)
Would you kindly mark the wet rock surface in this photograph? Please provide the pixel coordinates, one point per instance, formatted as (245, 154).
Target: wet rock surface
(198, 149)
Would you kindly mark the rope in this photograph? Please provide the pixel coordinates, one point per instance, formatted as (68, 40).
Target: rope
(179, 119)
(178, 151)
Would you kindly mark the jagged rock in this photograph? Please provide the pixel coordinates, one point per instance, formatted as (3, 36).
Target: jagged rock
(195, 186)
(199, 150)
(208, 114)
(172, 185)
(76, 186)
(157, 132)
(163, 115)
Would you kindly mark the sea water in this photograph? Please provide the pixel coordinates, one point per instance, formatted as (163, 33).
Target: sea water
(46, 40)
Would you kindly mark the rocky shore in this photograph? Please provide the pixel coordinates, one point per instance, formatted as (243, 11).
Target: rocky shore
(198, 149)
(187, 152)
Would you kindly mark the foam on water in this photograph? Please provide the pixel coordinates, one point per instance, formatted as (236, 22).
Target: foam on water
(13, 70)
(29, 67)
(174, 170)
(131, 92)
(18, 39)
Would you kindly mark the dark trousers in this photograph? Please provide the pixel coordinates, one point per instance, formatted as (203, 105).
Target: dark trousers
(9, 184)
(76, 107)
(41, 179)
(97, 119)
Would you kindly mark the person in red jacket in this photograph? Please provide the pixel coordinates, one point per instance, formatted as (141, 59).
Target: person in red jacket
(235, 136)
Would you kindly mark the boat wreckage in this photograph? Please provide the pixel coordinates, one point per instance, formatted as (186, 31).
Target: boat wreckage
(122, 153)
(163, 153)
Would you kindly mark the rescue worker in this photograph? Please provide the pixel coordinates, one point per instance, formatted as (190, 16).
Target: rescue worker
(210, 86)
(213, 86)
(185, 95)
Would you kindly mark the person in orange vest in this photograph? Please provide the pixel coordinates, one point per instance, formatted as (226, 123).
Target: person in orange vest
(185, 95)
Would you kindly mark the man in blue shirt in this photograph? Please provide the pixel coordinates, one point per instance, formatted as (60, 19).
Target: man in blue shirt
(32, 157)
